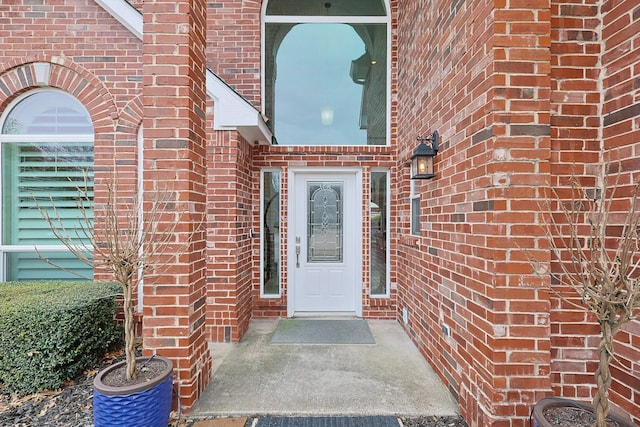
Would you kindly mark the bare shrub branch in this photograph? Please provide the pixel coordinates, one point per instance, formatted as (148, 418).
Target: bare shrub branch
(128, 239)
(595, 241)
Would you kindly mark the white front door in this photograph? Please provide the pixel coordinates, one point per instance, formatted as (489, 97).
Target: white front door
(325, 243)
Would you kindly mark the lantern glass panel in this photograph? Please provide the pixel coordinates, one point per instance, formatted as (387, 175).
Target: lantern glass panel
(421, 166)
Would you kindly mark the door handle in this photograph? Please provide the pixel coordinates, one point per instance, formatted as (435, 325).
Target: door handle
(297, 252)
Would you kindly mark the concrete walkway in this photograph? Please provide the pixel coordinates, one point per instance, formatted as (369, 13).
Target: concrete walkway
(256, 377)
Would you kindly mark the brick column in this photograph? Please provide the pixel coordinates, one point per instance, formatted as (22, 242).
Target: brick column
(517, 300)
(174, 159)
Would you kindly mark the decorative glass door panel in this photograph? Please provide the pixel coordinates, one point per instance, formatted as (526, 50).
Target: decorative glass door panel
(325, 222)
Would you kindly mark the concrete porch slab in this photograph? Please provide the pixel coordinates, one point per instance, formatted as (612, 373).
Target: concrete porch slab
(256, 377)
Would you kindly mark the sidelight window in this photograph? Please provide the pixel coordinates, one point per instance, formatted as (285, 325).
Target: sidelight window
(270, 233)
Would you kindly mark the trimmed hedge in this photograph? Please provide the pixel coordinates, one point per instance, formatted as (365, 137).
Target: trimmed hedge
(50, 332)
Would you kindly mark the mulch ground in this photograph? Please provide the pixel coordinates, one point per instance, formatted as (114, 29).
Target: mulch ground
(72, 406)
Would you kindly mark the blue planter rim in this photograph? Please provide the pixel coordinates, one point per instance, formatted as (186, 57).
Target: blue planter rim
(102, 388)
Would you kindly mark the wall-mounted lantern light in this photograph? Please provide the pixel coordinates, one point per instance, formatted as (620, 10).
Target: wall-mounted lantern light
(422, 158)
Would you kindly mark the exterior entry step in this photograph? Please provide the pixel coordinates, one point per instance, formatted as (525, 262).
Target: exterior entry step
(367, 421)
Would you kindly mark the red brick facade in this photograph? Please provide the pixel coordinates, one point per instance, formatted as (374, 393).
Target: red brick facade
(488, 86)
(523, 94)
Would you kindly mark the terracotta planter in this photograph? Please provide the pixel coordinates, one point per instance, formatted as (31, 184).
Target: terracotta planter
(146, 404)
(538, 419)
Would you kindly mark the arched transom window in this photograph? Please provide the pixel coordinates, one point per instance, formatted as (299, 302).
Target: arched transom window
(46, 155)
(326, 71)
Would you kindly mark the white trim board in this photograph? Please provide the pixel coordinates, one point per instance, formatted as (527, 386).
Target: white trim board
(230, 110)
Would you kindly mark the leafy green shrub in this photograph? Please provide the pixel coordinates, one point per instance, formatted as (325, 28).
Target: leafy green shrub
(50, 332)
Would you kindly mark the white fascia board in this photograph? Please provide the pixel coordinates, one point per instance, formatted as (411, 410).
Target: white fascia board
(231, 111)
(126, 14)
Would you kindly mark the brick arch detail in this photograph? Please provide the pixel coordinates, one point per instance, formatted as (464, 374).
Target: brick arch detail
(56, 72)
(252, 6)
(124, 159)
(131, 116)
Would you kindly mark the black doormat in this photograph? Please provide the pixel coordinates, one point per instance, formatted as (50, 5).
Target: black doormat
(372, 421)
(322, 331)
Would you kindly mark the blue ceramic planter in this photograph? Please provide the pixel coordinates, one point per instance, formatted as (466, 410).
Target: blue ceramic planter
(140, 405)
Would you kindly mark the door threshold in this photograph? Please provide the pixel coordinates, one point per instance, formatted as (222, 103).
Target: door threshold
(325, 314)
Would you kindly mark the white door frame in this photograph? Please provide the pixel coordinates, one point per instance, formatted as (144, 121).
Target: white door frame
(357, 244)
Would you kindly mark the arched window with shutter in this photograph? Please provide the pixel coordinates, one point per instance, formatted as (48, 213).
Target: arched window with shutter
(46, 153)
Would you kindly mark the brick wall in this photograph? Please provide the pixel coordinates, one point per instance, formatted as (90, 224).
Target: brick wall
(231, 265)
(478, 72)
(233, 53)
(621, 132)
(233, 48)
(85, 38)
(575, 146)
(595, 68)
(516, 95)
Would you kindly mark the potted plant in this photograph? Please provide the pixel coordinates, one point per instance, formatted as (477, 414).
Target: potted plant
(137, 391)
(597, 247)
